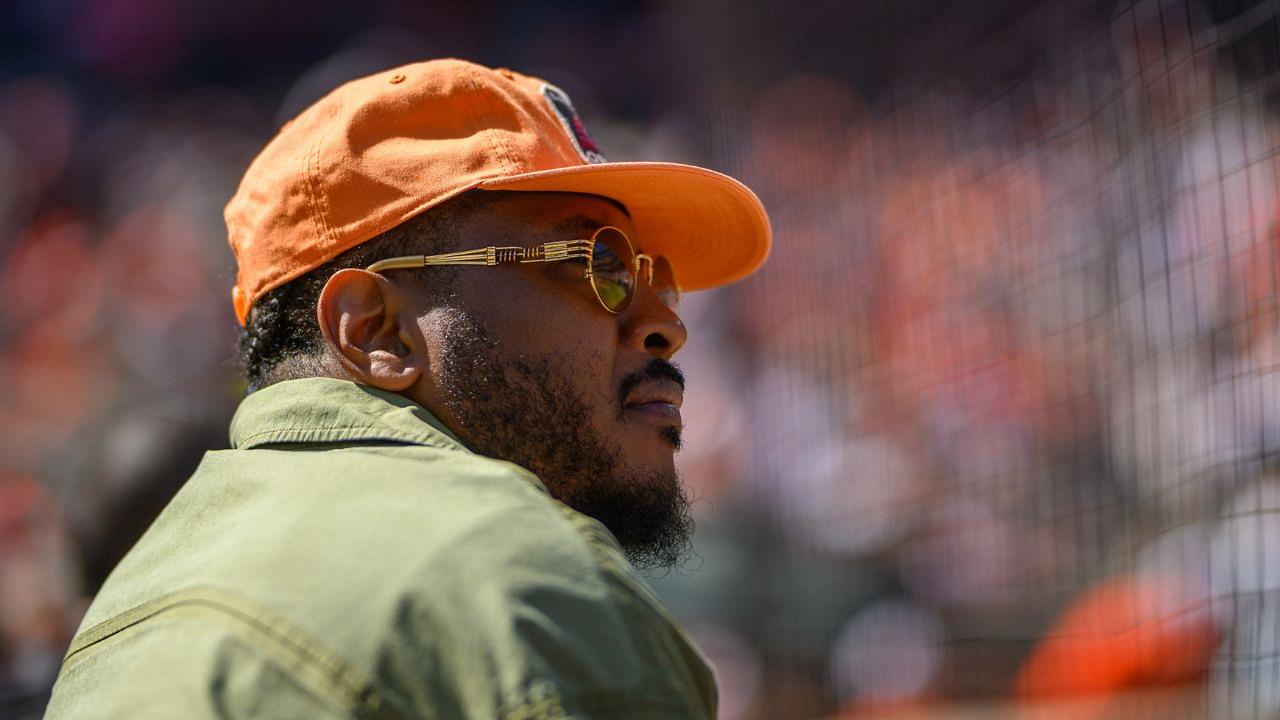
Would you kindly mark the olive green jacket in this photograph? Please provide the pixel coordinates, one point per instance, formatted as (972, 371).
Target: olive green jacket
(349, 558)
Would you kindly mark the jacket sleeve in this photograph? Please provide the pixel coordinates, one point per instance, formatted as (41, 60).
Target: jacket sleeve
(538, 616)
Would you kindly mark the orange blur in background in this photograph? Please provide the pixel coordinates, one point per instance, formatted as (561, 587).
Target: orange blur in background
(992, 432)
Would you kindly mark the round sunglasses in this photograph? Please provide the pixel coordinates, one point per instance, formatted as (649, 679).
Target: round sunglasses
(614, 268)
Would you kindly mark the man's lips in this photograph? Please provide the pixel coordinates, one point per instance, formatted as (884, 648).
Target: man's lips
(658, 400)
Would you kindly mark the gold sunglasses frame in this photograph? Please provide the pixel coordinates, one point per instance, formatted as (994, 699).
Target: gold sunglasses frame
(553, 251)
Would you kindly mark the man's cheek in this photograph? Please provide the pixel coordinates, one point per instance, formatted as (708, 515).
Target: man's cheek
(599, 384)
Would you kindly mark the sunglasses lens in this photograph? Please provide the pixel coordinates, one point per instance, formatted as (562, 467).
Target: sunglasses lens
(612, 264)
(664, 282)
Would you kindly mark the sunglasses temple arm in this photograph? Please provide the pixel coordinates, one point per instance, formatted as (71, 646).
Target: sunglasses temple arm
(553, 251)
(479, 256)
(491, 255)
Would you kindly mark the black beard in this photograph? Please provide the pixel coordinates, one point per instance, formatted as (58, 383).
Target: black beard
(526, 411)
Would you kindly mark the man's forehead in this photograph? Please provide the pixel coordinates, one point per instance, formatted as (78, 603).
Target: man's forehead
(560, 213)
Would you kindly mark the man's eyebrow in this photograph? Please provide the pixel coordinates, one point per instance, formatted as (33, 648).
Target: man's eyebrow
(575, 223)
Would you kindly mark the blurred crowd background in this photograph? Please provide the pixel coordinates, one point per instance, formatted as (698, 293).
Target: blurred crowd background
(997, 423)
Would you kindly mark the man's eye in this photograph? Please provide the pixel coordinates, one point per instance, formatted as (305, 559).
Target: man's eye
(568, 268)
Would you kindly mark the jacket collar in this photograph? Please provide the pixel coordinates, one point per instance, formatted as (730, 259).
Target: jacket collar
(326, 410)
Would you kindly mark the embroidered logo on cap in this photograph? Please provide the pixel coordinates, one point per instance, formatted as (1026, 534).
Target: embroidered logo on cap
(563, 108)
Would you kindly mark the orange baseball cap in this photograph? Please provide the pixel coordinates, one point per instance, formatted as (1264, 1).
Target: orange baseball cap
(379, 150)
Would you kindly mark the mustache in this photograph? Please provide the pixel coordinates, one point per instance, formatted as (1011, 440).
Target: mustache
(655, 369)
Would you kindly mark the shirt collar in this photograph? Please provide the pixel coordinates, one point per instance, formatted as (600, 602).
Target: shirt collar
(327, 410)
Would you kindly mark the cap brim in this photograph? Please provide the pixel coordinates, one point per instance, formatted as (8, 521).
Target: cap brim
(712, 228)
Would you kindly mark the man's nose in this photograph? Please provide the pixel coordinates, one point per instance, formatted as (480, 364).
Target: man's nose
(651, 327)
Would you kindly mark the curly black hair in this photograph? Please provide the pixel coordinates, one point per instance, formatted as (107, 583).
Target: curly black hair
(281, 339)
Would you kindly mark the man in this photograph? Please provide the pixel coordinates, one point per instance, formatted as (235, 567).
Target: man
(461, 425)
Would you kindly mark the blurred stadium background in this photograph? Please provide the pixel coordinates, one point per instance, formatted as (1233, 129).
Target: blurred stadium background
(994, 434)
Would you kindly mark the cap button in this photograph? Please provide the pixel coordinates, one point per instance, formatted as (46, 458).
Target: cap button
(397, 79)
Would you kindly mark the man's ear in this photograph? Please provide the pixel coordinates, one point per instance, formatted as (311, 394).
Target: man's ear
(360, 315)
